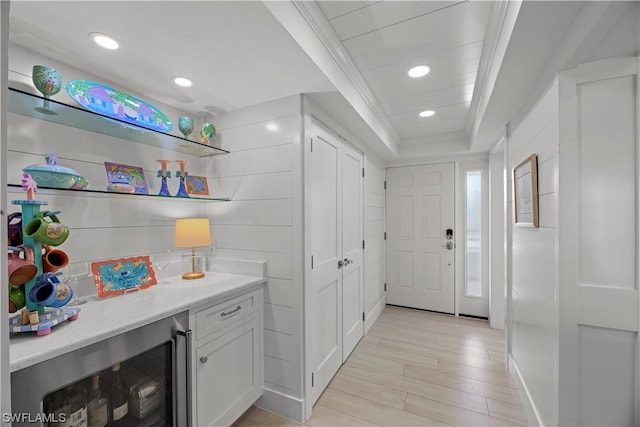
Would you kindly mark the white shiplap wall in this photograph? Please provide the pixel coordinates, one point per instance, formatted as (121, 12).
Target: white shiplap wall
(262, 175)
(533, 285)
(101, 226)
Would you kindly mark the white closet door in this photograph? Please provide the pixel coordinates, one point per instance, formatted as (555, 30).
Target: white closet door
(420, 258)
(325, 228)
(352, 252)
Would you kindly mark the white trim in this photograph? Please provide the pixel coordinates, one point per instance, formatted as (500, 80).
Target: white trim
(298, 309)
(460, 232)
(5, 377)
(530, 410)
(307, 24)
(595, 20)
(445, 158)
(497, 255)
(499, 30)
(372, 316)
(282, 404)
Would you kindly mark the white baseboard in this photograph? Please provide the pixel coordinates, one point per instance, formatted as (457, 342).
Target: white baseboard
(282, 405)
(530, 410)
(373, 315)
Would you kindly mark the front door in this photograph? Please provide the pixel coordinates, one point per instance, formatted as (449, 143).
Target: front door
(420, 237)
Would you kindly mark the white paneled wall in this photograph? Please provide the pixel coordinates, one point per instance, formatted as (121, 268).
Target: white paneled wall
(262, 222)
(533, 286)
(374, 253)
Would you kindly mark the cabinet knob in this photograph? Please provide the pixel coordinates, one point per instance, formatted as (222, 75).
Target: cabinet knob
(204, 359)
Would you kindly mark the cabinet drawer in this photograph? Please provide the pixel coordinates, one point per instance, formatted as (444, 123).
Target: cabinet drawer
(214, 318)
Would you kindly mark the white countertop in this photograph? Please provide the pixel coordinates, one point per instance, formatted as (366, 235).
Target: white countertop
(104, 318)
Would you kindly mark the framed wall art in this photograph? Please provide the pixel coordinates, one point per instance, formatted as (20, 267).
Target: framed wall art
(122, 177)
(525, 192)
(117, 276)
(197, 185)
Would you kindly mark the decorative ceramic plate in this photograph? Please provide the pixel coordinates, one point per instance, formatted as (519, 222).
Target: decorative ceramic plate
(110, 102)
(117, 276)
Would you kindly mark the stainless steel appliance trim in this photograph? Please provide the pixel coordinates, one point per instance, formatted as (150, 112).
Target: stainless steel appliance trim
(31, 384)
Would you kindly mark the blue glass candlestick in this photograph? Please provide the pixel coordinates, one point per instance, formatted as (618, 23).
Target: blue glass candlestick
(164, 174)
(182, 174)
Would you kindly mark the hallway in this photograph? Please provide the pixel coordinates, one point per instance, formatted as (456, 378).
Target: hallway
(417, 368)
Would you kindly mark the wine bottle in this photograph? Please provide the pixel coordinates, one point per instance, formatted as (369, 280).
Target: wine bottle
(76, 407)
(117, 399)
(97, 408)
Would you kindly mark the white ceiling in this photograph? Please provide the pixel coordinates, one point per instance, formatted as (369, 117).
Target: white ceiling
(236, 53)
(488, 59)
(385, 39)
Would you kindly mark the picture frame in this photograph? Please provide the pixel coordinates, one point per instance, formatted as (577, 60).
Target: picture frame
(197, 185)
(132, 175)
(121, 275)
(525, 192)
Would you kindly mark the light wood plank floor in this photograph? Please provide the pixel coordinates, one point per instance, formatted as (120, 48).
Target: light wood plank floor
(416, 368)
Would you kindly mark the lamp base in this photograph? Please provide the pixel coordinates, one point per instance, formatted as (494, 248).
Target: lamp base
(193, 275)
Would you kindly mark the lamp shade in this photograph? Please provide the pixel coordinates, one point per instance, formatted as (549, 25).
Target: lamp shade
(192, 232)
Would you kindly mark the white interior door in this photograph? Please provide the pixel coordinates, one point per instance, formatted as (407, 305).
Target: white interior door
(352, 252)
(324, 173)
(420, 257)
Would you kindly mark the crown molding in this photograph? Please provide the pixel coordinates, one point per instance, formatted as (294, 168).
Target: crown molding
(307, 24)
(502, 19)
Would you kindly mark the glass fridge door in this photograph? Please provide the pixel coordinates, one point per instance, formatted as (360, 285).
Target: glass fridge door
(134, 392)
(138, 378)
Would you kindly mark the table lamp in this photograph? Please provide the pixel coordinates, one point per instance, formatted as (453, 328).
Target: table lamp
(192, 233)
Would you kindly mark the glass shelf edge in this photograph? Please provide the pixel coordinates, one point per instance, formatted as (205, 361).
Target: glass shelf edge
(23, 103)
(17, 188)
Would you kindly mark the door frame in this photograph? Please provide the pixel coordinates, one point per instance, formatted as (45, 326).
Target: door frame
(461, 252)
(452, 168)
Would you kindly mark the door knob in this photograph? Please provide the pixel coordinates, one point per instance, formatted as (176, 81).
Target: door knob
(204, 359)
(340, 264)
(449, 245)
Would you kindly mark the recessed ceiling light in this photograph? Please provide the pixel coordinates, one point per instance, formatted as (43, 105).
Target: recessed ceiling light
(104, 41)
(419, 71)
(272, 127)
(427, 113)
(181, 81)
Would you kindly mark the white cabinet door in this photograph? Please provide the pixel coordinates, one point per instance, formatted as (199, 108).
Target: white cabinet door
(229, 374)
(420, 258)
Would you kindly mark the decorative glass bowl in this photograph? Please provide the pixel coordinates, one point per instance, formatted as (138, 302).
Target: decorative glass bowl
(56, 177)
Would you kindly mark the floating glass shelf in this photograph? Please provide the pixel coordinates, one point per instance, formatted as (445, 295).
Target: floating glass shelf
(25, 103)
(17, 188)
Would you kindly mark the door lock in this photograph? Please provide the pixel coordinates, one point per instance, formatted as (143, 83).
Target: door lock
(449, 233)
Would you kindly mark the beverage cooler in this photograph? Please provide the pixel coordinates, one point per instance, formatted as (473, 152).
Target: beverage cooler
(138, 378)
